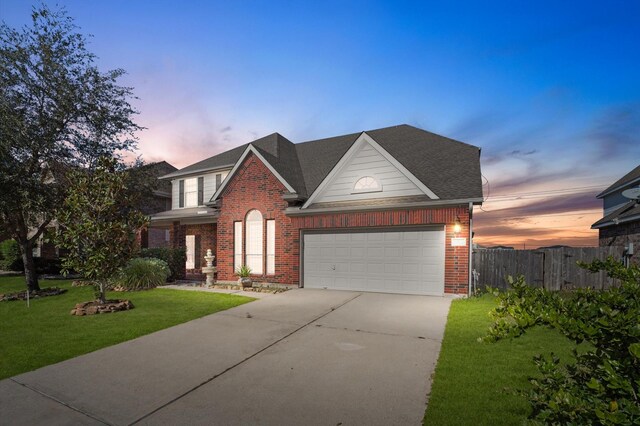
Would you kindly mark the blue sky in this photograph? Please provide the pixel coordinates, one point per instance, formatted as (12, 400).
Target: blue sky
(549, 90)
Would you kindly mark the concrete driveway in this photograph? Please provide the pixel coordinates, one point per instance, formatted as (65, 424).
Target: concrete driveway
(301, 357)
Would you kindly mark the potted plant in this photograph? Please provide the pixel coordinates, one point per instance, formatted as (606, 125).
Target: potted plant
(244, 273)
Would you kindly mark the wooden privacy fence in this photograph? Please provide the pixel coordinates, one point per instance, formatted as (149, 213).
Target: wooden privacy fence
(553, 269)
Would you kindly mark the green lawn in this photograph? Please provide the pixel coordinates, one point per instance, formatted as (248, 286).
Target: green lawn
(472, 379)
(46, 333)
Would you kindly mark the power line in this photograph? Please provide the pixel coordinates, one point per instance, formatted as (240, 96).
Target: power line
(536, 194)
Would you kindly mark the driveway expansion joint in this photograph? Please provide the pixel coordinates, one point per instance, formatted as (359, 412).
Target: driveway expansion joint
(166, 404)
(56, 400)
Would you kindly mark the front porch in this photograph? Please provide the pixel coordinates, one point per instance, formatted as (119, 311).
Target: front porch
(193, 229)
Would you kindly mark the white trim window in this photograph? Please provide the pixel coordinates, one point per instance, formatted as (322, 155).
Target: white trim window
(190, 244)
(237, 245)
(367, 184)
(191, 192)
(253, 244)
(271, 247)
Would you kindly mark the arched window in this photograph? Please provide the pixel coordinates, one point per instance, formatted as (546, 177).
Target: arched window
(367, 184)
(253, 242)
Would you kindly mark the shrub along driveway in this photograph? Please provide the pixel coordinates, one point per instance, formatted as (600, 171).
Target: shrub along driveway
(302, 357)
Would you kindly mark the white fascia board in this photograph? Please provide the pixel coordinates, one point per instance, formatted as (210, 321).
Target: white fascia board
(250, 149)
(363, 139)
(180, 174)
(299, 211)
(617, 188)
(613, 222)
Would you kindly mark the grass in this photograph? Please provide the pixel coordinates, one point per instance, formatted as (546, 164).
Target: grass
(46, 333)
(474, 382)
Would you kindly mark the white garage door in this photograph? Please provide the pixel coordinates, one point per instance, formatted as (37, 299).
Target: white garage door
(409, 262)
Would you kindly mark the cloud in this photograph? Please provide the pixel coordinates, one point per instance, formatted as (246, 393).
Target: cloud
(616, 132)
(547, 221)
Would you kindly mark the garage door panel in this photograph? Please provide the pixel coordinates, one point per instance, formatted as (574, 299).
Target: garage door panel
(375, 252)
(411, 236)
(393, 252)
(358, 252)
(375, 268)
(391, 261)
(358, 267)
(342, 251)
(358, 237)
(393, 268)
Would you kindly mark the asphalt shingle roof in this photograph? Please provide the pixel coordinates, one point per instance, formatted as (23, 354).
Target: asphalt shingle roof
(629, 177)
(626, 212)
(451, 169)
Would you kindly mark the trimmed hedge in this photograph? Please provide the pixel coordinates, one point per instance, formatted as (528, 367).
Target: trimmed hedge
(10, 257)
(175, 258)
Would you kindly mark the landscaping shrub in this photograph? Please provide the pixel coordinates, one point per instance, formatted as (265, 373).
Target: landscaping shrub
(142, 274)
(10, 257)
(175, 258)
(602, 384)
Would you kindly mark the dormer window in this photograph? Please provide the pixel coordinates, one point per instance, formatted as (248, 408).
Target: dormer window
(367, 184)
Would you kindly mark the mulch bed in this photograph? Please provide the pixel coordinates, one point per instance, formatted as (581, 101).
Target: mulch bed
(22, 295)
(95, 307)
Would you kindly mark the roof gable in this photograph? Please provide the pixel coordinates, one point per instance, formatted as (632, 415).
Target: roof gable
(630, 178)
(250, 150)
(448, 167)
(366, 158)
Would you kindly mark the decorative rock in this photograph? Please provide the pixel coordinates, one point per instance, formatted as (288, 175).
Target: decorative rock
(95, 307)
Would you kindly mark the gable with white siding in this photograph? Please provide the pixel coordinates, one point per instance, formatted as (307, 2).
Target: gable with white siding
(209, 186)
(367, 161)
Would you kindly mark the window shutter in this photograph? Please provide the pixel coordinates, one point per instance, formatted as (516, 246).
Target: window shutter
(200, 191)
(218, 180)
(198, 252)
(181, 196)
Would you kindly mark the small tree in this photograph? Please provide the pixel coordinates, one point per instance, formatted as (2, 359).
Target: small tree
(601, 384)
(98, 223)
(58, 111)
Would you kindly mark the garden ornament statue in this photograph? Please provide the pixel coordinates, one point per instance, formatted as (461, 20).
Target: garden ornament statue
(209, 270)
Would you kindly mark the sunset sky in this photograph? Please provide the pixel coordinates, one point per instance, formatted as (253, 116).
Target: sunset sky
(549, 90)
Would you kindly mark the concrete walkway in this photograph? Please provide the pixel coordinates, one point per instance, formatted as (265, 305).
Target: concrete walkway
(300, 357)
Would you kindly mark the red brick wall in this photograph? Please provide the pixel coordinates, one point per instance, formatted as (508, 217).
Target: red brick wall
(156, 238)
(207, 233)
(456, 273)
(254, 187)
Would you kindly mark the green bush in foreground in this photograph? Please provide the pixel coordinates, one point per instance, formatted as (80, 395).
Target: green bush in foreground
(175, 258)
(602, 385)
(10, 257)
(142, 274)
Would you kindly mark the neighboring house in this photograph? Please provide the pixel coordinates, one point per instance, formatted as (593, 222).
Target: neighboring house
(387, 210)
(621, 222)
(158, 200)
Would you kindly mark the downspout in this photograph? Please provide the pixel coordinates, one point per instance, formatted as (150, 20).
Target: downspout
(470, 244)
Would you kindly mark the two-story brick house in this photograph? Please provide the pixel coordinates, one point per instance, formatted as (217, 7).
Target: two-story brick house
(386, 210)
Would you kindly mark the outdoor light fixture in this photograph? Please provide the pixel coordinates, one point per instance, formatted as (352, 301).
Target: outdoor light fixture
(457, 226)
